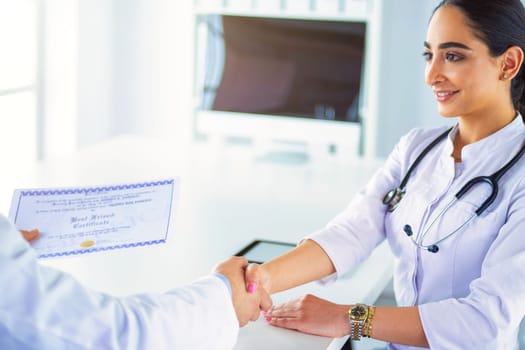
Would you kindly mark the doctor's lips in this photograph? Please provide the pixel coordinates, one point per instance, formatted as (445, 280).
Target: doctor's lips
(444, 95)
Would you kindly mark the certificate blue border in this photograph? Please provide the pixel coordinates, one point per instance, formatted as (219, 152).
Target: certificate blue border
(77, 190)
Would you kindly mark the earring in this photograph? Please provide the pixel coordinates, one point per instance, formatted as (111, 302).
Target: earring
(505, 75)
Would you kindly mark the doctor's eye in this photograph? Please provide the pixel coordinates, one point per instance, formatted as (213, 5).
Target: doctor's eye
(453, 57)
(427, 56)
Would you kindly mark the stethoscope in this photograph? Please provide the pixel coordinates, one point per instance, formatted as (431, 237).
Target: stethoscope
(394, 196)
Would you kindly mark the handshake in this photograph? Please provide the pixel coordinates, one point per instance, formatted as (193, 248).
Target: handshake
(248, 288)
(251, 285)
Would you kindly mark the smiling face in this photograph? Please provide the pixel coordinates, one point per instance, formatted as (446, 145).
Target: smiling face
(463, 75)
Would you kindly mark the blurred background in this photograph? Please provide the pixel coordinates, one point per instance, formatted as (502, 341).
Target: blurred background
(74, 73)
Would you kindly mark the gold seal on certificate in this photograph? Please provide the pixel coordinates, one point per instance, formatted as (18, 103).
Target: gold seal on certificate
(87, 244)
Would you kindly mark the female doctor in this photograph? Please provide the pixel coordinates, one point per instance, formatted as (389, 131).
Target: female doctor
(459, 243)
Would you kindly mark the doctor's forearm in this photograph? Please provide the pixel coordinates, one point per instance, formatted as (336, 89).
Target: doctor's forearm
(401, 325)
(305, 263)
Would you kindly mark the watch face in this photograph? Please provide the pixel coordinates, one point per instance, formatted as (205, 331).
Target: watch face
(358, 312)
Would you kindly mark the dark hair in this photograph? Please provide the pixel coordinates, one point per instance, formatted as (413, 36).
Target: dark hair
(500, 24)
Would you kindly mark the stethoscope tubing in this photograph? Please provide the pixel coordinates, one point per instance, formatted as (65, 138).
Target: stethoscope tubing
(422, 155)
(395, 195)
(418, 241)
(492, 181)
(391, 199)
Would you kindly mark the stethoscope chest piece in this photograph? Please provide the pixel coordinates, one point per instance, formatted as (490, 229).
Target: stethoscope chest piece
(392, 198)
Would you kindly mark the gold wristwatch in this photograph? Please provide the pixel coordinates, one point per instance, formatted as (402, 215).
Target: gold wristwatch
(358, 314)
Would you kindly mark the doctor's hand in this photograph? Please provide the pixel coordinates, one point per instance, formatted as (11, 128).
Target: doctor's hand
(247, 304)
(30, 235)
(257, 277)
(313, 315)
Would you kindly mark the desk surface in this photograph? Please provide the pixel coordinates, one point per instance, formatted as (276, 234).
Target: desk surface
(227, 199)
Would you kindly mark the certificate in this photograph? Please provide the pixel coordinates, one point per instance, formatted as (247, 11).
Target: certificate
(89, 219)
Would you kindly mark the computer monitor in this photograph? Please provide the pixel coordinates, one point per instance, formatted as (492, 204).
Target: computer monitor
(281, 78)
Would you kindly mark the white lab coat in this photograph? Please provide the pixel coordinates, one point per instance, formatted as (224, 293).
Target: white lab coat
(42, 308)
(471, 294)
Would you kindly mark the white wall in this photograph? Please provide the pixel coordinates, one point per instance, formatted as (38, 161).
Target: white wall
(57, 80)
(135, 69)
(96, 50)
(153, 67)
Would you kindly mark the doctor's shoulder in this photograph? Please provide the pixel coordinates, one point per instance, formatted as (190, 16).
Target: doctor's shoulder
(417, 139)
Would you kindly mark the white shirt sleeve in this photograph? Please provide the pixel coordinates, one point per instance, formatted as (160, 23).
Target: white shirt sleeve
(350, 237)
(43, 308)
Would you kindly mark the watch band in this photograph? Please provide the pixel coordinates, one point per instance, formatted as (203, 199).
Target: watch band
(357, 331)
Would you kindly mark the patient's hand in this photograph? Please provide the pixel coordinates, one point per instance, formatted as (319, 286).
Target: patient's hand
(257, 277)
(30, 235)
(310, 314)
(247, 303)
